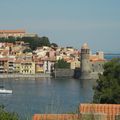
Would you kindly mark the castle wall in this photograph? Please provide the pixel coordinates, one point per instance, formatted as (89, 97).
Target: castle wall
(90, 69)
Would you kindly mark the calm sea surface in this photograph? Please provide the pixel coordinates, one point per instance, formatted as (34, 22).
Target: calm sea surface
(109, 57)
(46, 95)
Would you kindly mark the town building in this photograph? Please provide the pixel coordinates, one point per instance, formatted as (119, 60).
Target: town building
(11, 65)
(39, 67)
(27, 67)
(3, 65)
(30, 35)
(48, 65)
(12, 33)
(74, 64)
(17, 66)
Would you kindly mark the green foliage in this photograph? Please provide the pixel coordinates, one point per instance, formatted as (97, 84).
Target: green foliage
(5, 115)
(89, 116)
(62, 64)
(108, 84)
(27, 50)
(9, 39)
(44, 41)
(34, 42)
(54, 45)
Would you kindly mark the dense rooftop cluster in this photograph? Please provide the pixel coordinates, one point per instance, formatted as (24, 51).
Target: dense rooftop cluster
(26, 53)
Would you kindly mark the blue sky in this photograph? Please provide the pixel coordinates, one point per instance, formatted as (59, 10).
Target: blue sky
(66, 22)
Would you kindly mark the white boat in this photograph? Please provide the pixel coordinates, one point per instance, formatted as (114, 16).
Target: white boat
(5, 91)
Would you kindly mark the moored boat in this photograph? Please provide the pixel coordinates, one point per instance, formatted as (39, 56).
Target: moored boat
(5, 91)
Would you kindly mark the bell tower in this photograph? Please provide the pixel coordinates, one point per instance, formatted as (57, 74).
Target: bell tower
(85, 64)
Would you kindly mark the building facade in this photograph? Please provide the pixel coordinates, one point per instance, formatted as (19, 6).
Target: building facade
(27, 67)
(11, 33)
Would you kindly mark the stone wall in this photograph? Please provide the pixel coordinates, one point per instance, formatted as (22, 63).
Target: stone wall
(63, 73)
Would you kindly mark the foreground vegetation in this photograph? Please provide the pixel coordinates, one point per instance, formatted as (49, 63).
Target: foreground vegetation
(108, 84)
(5, 115)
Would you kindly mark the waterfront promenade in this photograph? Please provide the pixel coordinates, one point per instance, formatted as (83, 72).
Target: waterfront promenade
(42, 75)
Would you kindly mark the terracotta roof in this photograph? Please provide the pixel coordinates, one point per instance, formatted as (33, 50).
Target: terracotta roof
(96, 59)
(99, 60)
(111, 110)
(12, 31)
(49, 59)
(39, 62)
(106, 111)
(11, 59)
(55, 117)
(26, 61)
(3, 59)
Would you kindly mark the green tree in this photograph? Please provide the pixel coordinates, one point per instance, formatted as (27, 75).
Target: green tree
(107, 89)
(62, 64)
(27, 50)
(54, 45)
(33, 42)
(5, 115)
(44, 41)
(11, 39)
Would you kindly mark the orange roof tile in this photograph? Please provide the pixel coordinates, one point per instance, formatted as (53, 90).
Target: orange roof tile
(96, 59)
(12, 31)
(3, 59)
(109, 109)
(18, 61)
(55, 117)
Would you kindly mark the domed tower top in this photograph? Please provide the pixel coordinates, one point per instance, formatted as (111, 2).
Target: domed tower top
(85, 46)
(85, 51)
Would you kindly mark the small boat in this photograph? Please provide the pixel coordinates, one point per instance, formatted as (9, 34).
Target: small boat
(5, 91)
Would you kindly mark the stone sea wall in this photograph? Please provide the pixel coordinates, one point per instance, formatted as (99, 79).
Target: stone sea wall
(63, 73)
(24, 76)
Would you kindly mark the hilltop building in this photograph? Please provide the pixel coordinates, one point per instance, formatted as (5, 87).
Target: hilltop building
(91, 65)
(30, 35)
(16, 33)
(12, 33)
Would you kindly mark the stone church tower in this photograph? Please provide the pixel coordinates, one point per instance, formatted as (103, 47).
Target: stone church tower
(85, 63)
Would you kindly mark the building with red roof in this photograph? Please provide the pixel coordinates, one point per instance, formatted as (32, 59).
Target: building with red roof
(12, 33)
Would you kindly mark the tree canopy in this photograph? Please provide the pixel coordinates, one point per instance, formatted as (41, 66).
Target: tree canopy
(107, 89)
(27, 50)
(54, 45)
(34, 42)
(62, 64)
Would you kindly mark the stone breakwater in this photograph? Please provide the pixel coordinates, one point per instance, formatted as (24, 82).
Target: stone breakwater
(41, 75)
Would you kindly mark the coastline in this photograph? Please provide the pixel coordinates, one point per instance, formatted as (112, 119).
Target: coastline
(41, 75)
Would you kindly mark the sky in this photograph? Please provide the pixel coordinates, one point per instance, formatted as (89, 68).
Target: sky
(66, 22)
